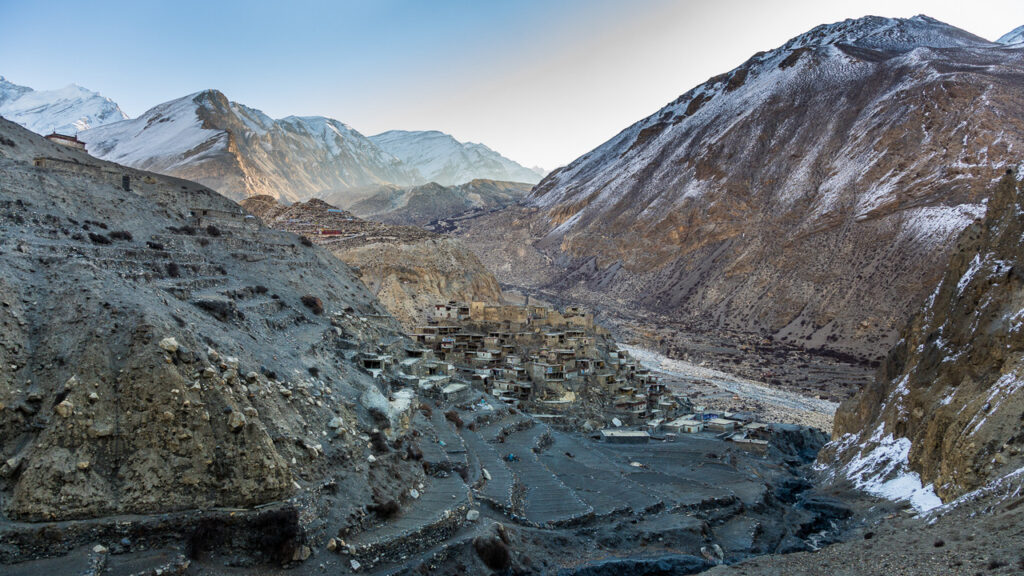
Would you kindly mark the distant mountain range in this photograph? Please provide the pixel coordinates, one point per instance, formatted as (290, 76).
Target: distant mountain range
(240, 151)
(442, 159)
(66, 111)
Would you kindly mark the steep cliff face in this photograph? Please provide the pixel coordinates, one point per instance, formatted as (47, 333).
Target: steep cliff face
(408, 269)
(160, 351)
(950, 395)
(409, 278)
(812, 193)
(240, 151)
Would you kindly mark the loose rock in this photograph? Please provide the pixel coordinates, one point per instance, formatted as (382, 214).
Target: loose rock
(65, 408)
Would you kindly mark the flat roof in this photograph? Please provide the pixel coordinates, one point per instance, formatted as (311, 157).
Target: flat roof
(721, 421)
(625, 433)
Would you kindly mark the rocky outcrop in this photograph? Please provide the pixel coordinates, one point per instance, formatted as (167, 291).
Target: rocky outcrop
(158, 352)
(812, 194)
(410, 278)
(431, 204)
(408, 269)
(952, 390)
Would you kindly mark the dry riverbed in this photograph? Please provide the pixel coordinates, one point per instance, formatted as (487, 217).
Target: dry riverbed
(719, 390)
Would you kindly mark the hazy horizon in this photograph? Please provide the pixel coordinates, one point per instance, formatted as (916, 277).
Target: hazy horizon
(541, 83)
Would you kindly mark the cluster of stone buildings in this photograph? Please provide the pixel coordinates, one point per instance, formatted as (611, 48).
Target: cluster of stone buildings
(550, 361)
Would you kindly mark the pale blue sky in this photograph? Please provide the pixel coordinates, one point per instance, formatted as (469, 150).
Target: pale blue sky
(541, 81)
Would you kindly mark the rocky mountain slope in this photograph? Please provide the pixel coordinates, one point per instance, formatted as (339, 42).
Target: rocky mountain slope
(1015, 36)
(161, 351)
(408, 269)
(241, 152)
(427, 204)
(69, 110)
(944, 416)
(949, 399)
(442, 159)
(811, 194)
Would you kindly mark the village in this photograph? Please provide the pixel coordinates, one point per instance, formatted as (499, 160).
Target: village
(560, 367)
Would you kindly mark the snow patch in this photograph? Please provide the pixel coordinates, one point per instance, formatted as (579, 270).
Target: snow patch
(884, 471)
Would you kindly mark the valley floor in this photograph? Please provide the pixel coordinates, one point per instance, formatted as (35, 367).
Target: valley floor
(719, 390)
(503, 476)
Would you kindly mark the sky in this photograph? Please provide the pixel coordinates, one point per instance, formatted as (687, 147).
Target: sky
(540, 81)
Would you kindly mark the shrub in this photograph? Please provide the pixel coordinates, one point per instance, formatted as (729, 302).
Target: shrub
(493, 552)
(121, 235)
(173, 270)
(315, 305)
(413, 452)
(379, 442)
(305, 241)
(98, 238)
(213, 230)
(453, 417)
(385, 510)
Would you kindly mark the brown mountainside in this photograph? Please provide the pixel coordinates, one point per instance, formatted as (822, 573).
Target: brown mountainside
(954, 384)
(811, 194)
(409, 269)
(429, 204)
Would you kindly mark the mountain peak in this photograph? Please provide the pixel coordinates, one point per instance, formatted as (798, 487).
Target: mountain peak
(1015, 36)
(66, 110)
(441, 158)
(888, 34)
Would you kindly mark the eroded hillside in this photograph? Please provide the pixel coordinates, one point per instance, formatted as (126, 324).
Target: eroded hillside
(162, 351)
(951, 389)
(409, 269)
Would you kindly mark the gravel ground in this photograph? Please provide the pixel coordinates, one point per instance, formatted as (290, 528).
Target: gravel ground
(722, 391)
(964, 542)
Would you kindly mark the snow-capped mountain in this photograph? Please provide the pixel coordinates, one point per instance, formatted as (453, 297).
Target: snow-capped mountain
(442, 159)
(1015, 36)
(812, 193)
(65, 111)
(240, 151)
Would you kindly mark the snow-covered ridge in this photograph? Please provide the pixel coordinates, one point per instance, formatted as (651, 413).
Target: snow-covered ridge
(240, 151)
(438, 157)
(765, 75)
(896, 34)
(158, 140)
(66, 111)
(1015, 36)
